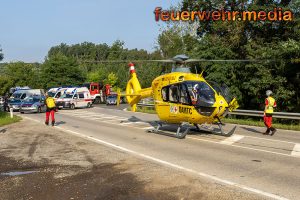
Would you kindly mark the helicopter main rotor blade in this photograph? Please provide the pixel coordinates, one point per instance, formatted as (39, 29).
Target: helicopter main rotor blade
(173, 61)
(127, 61)
(206, 60)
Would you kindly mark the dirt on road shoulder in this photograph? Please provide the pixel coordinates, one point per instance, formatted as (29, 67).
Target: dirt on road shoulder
(39, 162)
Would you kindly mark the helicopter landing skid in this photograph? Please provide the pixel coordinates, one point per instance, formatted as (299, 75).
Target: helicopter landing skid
(179, 134)
(220, 132)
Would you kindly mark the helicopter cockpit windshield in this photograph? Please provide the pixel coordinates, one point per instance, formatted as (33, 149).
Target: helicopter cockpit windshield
(222, 89)
(201, 93)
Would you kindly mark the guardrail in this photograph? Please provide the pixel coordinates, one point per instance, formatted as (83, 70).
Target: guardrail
(254, 113)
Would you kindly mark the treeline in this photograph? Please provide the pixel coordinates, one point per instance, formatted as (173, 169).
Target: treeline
(79, 63)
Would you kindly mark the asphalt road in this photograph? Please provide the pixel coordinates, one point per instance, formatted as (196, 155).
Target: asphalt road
(249, 161)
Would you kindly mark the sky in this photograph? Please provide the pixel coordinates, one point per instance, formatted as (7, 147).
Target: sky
(30, 28)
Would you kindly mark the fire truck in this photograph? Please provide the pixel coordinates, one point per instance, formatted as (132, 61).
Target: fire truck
(98, 91)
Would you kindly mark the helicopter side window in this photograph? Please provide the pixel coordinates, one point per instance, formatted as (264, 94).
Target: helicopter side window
(184, 95)
(174, 94)
(164, 93)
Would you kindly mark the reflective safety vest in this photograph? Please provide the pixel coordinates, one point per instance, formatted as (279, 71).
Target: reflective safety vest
(270, 106)
(50, 102)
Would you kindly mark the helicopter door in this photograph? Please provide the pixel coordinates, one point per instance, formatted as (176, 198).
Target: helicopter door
(174, 101)
(185, 107)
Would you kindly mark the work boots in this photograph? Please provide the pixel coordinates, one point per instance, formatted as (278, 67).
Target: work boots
(53, 122)
(267, 131)
(47, 123)
(273, 131)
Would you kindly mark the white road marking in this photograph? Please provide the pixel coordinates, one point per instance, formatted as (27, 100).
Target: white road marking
(296, 150)
(249, 148)
(109, 117)
(147, 127)
(138, 122)
(272, 140)
(232, 139)
(112, 121)
(121, 119)
(166, 163)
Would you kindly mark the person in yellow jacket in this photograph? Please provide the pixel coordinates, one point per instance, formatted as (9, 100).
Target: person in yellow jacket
(50, 109)
(270, 104)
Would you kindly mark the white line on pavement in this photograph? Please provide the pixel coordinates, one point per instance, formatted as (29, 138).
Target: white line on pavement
(272, 140)
(232, 139)
(166, 163)
(282, 154)
(296, 150)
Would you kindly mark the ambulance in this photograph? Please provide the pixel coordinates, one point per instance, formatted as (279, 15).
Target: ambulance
(77, 97)
(56, 92)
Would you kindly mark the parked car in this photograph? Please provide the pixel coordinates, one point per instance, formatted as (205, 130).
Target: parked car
(111, 100)
(33, 104)
(14, 103)
(2, 104)
(1, 100)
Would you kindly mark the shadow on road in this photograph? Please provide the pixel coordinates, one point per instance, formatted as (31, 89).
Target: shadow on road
(251, 130)
(3, 130)
(60, 123)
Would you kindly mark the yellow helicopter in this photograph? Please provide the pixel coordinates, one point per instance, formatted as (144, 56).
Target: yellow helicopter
(183, 98)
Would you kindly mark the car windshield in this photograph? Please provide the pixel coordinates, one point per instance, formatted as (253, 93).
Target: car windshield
(31, 100)
(67, 95)
(51, 94)
(16, 95)
(201, 93)
(14, 100)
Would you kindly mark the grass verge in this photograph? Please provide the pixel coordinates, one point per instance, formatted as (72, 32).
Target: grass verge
(249, 122)
(5, 118)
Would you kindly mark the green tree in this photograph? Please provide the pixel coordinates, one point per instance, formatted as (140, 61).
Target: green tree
(23, 74)
(5, 84)
(60, 70)
(111, 79)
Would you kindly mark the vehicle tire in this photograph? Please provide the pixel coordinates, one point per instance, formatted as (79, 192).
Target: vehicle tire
(89, 105)
(72, 106)
(22, 112)
(97, 100)
(39, 110)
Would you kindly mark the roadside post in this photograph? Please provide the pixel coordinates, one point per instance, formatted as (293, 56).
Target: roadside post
(11, 110)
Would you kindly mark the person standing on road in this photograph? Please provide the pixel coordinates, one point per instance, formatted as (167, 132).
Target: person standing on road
(51, 108)
(270, 104)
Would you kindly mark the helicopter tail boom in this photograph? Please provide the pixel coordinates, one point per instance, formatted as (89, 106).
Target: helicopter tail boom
(134, 92)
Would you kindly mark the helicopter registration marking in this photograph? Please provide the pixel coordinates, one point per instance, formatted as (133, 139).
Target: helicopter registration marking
(185, 110)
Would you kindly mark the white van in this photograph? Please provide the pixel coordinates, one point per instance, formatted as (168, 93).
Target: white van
(78, 97)
(56, 92)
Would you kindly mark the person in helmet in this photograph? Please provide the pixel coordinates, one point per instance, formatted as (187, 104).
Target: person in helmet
(270, 104)
(194, 95)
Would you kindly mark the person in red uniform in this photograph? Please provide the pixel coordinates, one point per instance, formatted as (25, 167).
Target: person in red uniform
(50, 109)
(270, 104)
